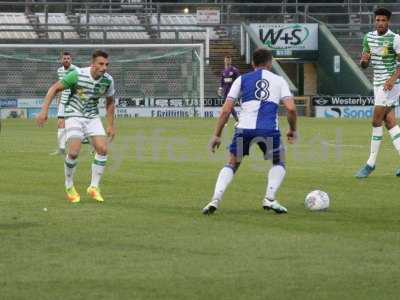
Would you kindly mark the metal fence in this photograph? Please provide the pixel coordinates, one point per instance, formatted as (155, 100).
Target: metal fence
(344, 19)
(155, 70)
(337, 12)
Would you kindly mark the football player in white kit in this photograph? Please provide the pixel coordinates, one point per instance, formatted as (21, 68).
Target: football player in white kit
(260, 93)
(82, 119)
(381, 50)
(67, 66)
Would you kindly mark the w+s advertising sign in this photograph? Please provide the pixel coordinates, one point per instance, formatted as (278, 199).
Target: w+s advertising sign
(287, 36)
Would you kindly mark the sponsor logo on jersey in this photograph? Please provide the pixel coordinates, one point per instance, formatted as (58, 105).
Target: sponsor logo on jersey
(81, 94)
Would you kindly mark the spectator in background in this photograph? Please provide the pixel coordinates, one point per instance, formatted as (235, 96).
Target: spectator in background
(228, 76)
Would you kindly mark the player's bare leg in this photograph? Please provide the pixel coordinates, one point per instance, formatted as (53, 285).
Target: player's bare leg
(74, 147)
(376, 140)
(394, 131)
(224, 179)
(390, 118)
(275, 178)
(100, 146)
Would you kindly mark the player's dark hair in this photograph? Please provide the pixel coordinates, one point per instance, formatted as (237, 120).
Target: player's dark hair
(65, 53)
(98, 53)
(261, 57)
(383, 12)
(228, 56)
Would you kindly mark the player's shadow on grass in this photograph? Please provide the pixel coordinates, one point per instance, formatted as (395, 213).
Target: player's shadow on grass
(17, 225)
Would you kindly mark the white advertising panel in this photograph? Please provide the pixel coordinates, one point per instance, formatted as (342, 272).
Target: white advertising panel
(287, 36)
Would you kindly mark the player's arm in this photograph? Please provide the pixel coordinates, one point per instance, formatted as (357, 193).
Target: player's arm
(110, 111)
(68, 82)
(366, 54)
(392, 80)
(365, 58)
(287, 100)
(288, 103)
(222, 120)
(51, 93)
(226, 110)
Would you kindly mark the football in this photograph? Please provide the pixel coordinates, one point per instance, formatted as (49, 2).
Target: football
(317, 201)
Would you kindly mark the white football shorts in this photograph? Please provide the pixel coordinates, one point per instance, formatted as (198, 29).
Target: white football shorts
(389, 98)
(79, 128)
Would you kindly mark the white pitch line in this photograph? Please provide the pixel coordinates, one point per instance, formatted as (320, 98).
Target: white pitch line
(329, 145)
(343, 145)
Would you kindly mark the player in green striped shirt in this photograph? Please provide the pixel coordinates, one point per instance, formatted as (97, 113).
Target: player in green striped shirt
(381, 49)
(82, 119)
(67, 66)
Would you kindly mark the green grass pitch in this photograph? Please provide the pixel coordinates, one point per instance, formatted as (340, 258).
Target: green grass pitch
(149, 239)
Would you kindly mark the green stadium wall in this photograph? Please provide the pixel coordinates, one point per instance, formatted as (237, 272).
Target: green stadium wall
(350, 79)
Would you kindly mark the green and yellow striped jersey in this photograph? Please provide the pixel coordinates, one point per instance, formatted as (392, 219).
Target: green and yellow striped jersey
(383, 50)
(85, 92)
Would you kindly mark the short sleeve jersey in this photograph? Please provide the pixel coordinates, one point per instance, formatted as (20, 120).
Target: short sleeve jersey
(383, 50)
(86, 92)
(260, 93)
